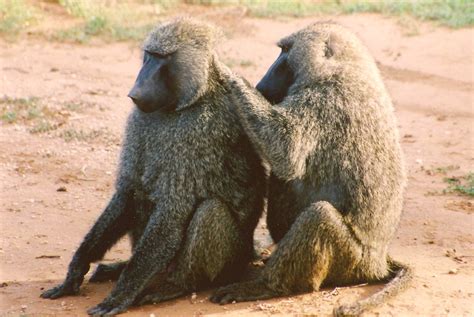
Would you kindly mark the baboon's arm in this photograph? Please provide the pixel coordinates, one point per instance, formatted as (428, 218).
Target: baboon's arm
(112, 224)
(282, 137)
(158, 246)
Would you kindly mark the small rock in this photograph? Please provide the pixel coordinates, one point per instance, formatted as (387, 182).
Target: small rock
(23, 307)
(62, 189)
(453, 271)
(152, 315)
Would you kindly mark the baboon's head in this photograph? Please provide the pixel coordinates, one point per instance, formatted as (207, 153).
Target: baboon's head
(176, 62)
(321, 52)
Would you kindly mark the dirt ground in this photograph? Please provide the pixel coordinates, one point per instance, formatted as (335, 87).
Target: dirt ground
(55, 183)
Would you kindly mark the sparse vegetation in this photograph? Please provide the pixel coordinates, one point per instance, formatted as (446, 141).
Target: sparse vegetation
(19, 109)
(31, 112)
(77, 134)
(462, 185)
(15, 15)
(131, 20)
(443, 170)
(231, 62)
(118, 22)
(36, 114)
(452, 13)
(72, 134)
(43, 126)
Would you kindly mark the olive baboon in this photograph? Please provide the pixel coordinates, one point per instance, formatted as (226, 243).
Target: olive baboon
(335, 192)
(190, 185)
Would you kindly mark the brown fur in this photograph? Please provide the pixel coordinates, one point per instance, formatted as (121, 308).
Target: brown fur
(336, 189)
(190, 187)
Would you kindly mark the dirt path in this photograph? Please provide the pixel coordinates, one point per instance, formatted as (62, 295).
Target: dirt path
(81, 94)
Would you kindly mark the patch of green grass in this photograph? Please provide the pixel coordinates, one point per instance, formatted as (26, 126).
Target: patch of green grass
(119, 22)
(9, 116)
(31, 112)
(73, 134)
(132, 20)
(84, 33)
(445, 169)
(78, 8)
(125, 33)
(73, 106)
(43, 126)
(15, 15)
(231, 62)
(452, 13)
(15, 109)
(462, 185)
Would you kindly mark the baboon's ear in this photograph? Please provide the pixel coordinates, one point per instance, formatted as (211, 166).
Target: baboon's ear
(332, 46)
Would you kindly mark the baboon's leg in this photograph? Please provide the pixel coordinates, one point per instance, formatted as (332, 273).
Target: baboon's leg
(107, 272)
(111, 272)
(213, 253)
(318, 247)
(112, 224)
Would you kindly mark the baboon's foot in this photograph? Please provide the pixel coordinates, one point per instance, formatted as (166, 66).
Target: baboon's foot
(165, 291)
(107, 272)
(242, 292)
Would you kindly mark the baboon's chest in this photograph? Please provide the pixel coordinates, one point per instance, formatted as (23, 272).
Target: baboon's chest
(179, 154)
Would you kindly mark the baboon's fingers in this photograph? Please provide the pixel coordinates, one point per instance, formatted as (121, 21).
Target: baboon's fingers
(107, 272)
(61, 290)
(242, 292)
(105, 309)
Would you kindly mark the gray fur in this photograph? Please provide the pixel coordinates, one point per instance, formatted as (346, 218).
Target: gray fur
(336, 189)
(189, 189)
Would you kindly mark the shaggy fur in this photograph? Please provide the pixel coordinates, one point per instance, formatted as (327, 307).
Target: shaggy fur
(189, 189)
(337, 182)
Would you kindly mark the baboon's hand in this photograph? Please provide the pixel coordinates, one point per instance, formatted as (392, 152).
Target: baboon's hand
(110, 307)
(69, 287)
(242, 292)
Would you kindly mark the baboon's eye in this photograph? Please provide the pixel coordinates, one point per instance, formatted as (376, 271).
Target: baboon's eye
(156, 54)
(328, 52)
(285, 48)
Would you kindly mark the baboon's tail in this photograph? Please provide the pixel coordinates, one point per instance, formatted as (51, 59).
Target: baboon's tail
(400, 277)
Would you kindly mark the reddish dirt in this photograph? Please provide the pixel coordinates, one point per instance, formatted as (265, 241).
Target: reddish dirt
(430, 78)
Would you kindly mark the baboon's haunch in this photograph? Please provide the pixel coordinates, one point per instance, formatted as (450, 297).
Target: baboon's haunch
(337, 182)
(190, 186)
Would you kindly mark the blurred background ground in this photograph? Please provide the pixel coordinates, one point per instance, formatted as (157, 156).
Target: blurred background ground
(67, 65)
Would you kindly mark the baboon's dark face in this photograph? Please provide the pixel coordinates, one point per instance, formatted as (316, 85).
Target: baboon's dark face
(278, 79)
(155, 86)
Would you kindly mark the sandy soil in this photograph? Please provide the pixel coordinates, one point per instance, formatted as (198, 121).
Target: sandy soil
(429, 75)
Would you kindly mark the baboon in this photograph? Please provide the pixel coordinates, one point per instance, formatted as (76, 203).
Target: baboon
(337, 175)
(190, 186)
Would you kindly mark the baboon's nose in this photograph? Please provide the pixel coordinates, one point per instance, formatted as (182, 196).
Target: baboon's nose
(134, 94)
(134, 99)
